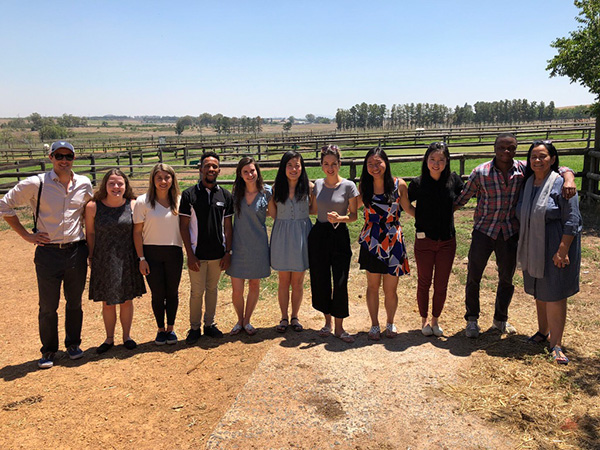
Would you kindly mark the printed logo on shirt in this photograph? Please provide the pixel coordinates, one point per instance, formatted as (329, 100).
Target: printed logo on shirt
(222, 204)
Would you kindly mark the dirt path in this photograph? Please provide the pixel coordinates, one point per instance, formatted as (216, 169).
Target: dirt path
(321, 393)
(267, 391)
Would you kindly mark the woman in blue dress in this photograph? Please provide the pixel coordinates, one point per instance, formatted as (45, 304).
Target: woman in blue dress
(549, 250)
(289, 239)
(250, 245)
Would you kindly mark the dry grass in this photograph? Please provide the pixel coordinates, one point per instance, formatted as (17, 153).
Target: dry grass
(517, 386)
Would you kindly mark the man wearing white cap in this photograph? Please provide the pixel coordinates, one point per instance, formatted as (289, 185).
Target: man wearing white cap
(57, 198)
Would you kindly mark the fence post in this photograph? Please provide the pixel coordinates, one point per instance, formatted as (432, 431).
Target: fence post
(258, 152)
(185, 155)
(130, 152)
(160, 155)
(462, 165)
(93, 169)
(352, 170)
(17, 170)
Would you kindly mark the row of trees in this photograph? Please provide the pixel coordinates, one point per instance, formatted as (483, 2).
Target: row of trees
(221, 124)
(430, 114)
(361, 116)
(48, 127)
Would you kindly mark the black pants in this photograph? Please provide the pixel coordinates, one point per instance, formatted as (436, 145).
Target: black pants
(481, 249)
(55, 267)
(166, 262)
(329, 256)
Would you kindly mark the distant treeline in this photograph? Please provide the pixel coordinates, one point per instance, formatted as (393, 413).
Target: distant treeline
(226, 125)
(48, 127)
(407, 115)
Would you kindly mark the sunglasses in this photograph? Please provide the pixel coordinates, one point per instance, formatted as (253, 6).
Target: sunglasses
(542, 142)
(61, 156)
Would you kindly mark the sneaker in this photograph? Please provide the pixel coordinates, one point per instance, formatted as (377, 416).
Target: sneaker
(503, 327)
(390, 330)
(161, 338)
(192, 336)
(427, 330)
(437, 331)
(171, 337)
(46, 361)
(74, 352)
(472, 329)
(212, 331)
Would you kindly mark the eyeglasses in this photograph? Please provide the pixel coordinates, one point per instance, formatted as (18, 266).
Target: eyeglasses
(542, 142)
(61, 156)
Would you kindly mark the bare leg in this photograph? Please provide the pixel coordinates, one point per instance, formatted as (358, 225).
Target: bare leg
(283, 293)
(328, 320)
(390, 284)
(542, 316)
(557, 316)
(237, 298)
(297, 291)
(253, 292)
(109, 314)
(126, 317)
(339, 326)
(373, 283)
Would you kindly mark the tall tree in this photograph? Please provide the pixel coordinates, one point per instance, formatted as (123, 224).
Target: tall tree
(578, 57)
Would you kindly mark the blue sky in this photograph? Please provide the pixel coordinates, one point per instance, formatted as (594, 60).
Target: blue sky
(276, 58)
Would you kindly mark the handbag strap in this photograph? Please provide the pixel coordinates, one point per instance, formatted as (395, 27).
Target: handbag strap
(37, 208)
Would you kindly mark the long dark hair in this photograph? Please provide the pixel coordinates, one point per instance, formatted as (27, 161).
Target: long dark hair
(173, 194)
(281, 187)
(239, 185)
(366, 180)
(551, 150)
(102, 192)
(445, 175)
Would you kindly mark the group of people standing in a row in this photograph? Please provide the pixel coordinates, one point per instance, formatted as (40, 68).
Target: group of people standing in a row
(526, 212)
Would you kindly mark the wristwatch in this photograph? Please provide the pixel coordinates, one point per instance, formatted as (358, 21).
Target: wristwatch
(142, 258)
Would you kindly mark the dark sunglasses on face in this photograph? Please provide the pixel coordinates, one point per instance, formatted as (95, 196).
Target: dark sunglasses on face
(60, 156)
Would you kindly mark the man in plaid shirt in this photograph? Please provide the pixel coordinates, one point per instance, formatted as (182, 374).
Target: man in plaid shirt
(497, 185)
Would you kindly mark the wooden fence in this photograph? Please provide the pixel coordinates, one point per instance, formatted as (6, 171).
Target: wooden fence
(137, 159)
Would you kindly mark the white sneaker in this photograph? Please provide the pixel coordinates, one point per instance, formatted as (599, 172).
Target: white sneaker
(503, 327)
(427, 330)
(472, 329)
(437, 331)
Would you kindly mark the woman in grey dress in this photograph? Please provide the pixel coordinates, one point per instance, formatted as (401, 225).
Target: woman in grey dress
(549, 249)
(250, 245)
(289, 239)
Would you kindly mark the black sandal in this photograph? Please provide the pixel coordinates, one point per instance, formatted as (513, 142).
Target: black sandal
(297, 327)
(538, 338)
(283, 325)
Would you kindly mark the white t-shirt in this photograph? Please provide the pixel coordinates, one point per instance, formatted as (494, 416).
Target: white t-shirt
(161, 227)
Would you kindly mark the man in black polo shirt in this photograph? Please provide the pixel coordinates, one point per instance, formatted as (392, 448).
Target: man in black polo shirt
(206, 229)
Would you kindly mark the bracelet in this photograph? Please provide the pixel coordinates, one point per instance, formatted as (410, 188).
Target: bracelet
(142, 258)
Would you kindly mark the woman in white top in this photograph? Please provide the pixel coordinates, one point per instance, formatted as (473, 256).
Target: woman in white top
(159, 247)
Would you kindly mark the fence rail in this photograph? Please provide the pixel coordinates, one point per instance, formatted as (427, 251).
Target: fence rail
(137, 159)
